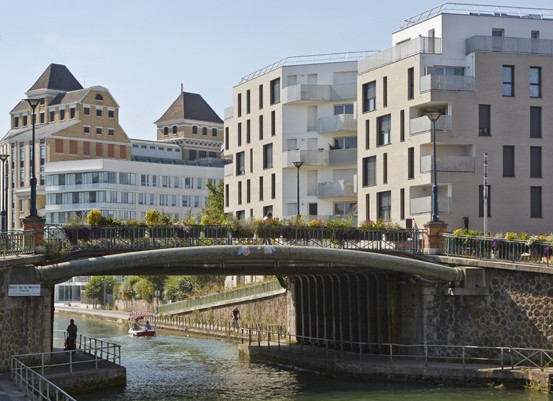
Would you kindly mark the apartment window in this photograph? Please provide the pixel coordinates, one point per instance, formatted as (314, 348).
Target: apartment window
(111, 113)
(98, 112)
(195, 129)
(239, 104)
(165, 130)
(497, 32)
(251, 160)
(260, 97)
(240, 163)
(508, 80)
(86, 111)
(192, 154)
(367, 206)
(239, 192)
(261, 128)
(535, 34)
(275, 91)
(343, 109)
(213, 131)
(385, 92)
(239, 134)
(226, 195)
(73, 147)
(111, 150)
(204, 130)
(202, 153)
(384, 205)
(62, 114)
(268, 156)
(411, 83)
(42, 117)
(24, 121)
(16, 122)
(86, 148)
(484, 120)
(369, 96)
(410, 163)
(52, 116)
(367, 134)
(535, 122)
(402, 125)
(248, 193)
(248, 131)
(226, 138)
(384, 124)
(312, 209)
(535, 161)
(99, 150)
(98, 130)
(174, 130)
(385, 168)
(481, 201)
(535, 202)
(248, 99)
(369, 171)
(260, 188)
(508, 161)
(59, 147)
(273, 123)
(86, 129)
(535, 81)
(273, 186)
(402, 204)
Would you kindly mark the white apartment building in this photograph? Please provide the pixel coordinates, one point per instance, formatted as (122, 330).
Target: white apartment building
(485, 69)
(300, 109)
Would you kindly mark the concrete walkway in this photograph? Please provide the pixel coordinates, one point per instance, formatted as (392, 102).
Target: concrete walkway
(8, 390)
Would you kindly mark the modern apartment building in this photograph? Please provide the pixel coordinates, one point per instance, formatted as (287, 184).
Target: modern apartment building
(484, 69)
(293, 120)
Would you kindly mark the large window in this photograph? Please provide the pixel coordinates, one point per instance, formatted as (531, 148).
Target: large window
(508, 161)
(268, 156)
(369, 96)
(484, 120)
(535, 122)
(275, 91)
(369, 171)
(343, 108)
(346, 142)
(240, 163)
(384, 205)
(345, 208)
(508, 80)
(384, 125)
(239, 104)
(410, 163)
(535, 81)
(535, 161)
(535, 202)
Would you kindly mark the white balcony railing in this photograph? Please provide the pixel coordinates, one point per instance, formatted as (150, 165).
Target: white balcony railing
(424, 204)
(342, 156)
(447, 83)
(423, 123)
(228, 169)
(336, 189)
(319, 93)
(337, 123)
(228, 112)
(452, 164)
(318, 157)
(509, 45)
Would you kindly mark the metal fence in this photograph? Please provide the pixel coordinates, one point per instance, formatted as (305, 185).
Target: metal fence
(497, 249)
(28, 370)
(17, 242)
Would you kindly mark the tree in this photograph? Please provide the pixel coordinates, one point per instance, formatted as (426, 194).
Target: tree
(215, 207)
(99, 287)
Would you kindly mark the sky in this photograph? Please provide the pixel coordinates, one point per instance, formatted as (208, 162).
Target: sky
(142, 51)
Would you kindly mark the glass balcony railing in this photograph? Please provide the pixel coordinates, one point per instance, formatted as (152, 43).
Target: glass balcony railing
(319, 157)
(424, 204)
(509, 45)
(318, 93)
(228, 112)
(451, 164)
(336, 123)
(447, 83)
(336, 189)
(423, 124)
(342, 156)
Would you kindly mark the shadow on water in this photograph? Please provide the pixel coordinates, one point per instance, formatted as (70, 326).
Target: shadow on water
(171, 367)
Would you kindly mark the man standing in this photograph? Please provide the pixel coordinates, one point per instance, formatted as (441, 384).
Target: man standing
(71, 342)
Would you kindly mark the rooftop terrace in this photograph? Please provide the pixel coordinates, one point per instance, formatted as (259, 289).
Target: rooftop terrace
(481, 9)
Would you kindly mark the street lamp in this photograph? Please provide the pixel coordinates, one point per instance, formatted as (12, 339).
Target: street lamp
(298, 164)
(33, 102)
(4, 212)
(434, 116)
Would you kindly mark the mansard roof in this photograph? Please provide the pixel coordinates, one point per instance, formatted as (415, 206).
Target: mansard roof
(56, 77)
(190, 106)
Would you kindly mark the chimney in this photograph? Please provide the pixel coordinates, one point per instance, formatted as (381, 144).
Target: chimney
(181, 87)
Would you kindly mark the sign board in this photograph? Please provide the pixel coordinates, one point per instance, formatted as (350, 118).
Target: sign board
(24, 290)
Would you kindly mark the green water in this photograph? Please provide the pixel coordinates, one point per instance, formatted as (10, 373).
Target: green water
(176, 367)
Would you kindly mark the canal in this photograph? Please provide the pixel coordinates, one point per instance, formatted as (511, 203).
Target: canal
(172, 367)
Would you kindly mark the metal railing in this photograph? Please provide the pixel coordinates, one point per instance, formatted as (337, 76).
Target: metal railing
(17, 242)
(504, 357)
(497, 249)
(28, 370)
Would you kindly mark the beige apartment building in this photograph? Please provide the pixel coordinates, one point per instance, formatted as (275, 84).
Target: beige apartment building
(293, 119)
(485, 69)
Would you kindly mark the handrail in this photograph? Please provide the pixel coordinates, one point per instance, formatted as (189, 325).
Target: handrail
(17, 242)
(29, 376)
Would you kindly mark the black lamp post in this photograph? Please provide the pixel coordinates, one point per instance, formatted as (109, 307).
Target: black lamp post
(434, 116)
(4, 212)
(298, 164)
(33, 102)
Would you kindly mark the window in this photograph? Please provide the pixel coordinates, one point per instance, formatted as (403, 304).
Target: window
(98, 130)
(275, 91)
(346, 142)
(71, 113)
(248, 131)
(484, 120)
(312, 209)
(98, 112)
(410, 163)
(174, 130)
(239, 192)
(481, 201)
(535, 122)
(86, 148)
(194, 129)
(99, 149)
(535, 34)
(497, 32)
(369, 96)
(86, 111)
(367, 134)
(213, 131)
(226, 195)
(226, 138)
(166, 131)
(402, 125)
(369, 171)
(273, 123)
(402, 204)
(248, 188)
(111, 113)
(72, 147)
(535, 161)
(508, 80)
(384, 124)
(385, 168)
(261, 128)
(239, 134)
(411, 83)
(273, 186)
(248, 98)
(240, 163)
(99, 98)
(508, 161)
(384, 205)
(260, 97)
(62, 114)
(52, 116)
(535, 81)
(385, 92)
(251, 160)
(343, 109)
(16, 122)
(86, 129)
(268, 156)
(204, 130)
(345, 208)
(192, 154)
(535, 202)
(24, 121)
(239, 104)
(260, 188)
(202, 154)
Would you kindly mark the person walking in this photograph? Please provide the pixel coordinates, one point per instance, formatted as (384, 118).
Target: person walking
(267, 221)
(71, 340)
(235, 317)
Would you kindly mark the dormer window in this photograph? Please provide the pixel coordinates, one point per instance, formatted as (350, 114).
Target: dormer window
(16, 121)
(99, 98)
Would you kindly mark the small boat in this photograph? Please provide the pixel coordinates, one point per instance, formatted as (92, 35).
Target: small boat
(139, 325)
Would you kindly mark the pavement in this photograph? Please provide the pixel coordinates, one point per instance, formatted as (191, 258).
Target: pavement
(8, 390)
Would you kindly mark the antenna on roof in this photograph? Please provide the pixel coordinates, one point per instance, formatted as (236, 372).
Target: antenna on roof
(181, 87)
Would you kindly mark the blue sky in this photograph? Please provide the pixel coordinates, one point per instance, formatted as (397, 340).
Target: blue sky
(143, 50)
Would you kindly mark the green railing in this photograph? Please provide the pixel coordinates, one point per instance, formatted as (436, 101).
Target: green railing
(497, 249)
(70, 238)
(17, 242)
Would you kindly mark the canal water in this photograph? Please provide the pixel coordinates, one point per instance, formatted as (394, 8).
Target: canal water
(172, 367)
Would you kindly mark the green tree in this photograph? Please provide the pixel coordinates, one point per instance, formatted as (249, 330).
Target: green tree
(144, 289)
(99, 287)
(215, 207)
(178, 288)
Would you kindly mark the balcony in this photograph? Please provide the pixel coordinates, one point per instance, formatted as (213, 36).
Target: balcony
(337, 123)
(336, 189)
(448, 164)
(509, 45)
(447, 83)
(339, 157)
(318, 93)
(318, 157)
(423, 124)
(228, 112)
(424, 204)
(228, 169)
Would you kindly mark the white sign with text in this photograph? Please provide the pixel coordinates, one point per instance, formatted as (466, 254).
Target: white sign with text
(24, 290)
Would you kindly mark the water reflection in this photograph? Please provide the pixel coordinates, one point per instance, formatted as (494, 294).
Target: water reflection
(172, 367)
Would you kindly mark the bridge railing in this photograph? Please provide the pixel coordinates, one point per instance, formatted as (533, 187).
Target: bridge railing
(17, 242)
(71, 238)
(497, 249)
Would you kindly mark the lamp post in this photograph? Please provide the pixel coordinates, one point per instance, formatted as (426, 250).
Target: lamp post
(434, 116)
(4, 212)
(485, 193)
(33, 102)
(298, 164)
